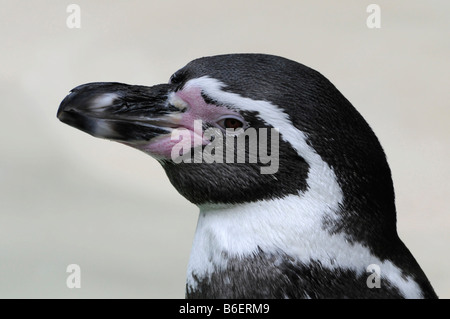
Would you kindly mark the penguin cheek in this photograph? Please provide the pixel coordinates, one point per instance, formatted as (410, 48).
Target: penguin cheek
(197, 125)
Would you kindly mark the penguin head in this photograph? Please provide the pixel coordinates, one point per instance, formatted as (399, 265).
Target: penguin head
(239, 128)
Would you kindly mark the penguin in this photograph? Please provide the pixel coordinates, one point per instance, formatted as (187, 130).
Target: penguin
(306, 211)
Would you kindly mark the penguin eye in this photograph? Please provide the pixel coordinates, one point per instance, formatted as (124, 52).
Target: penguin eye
(231, 123)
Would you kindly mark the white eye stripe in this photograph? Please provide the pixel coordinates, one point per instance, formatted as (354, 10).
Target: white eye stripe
(266, 111)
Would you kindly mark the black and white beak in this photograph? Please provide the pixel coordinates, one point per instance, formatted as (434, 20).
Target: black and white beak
(120, 112)
(145, 118)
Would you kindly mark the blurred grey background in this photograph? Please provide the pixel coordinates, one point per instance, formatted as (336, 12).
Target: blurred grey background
(69, 198)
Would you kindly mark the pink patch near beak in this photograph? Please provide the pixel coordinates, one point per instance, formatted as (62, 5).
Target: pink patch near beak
(190, 130)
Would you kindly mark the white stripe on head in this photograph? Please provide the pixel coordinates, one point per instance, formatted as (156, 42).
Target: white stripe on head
(293, 224)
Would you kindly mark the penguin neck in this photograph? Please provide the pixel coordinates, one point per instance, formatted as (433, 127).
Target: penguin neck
(291, 225)
(253, 244)
(269, 225)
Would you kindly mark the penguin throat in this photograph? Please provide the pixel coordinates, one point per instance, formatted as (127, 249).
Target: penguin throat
(288, 232)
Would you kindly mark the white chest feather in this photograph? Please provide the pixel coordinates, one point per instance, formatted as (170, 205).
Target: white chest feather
(280, 226)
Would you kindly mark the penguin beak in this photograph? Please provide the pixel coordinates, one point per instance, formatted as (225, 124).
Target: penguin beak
(125, 113)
